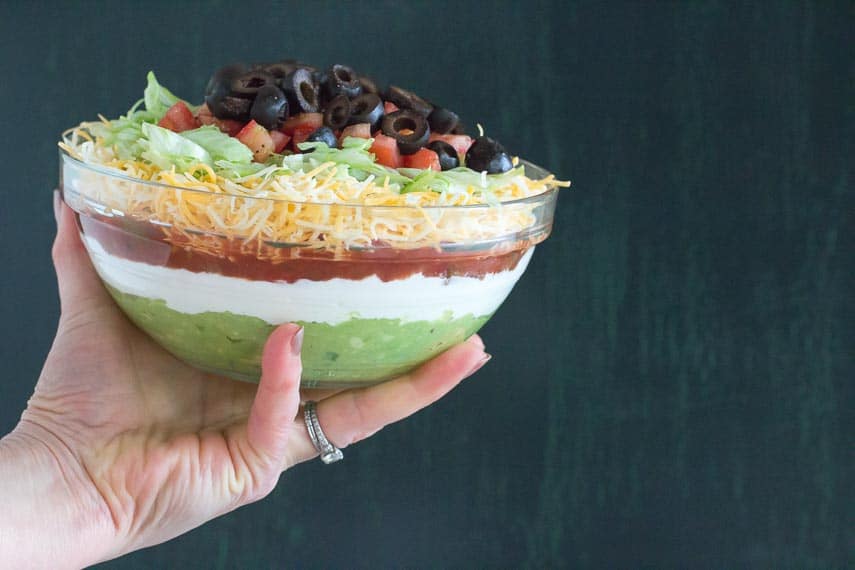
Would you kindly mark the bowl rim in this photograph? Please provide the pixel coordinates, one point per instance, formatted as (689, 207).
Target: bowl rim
(545, 196)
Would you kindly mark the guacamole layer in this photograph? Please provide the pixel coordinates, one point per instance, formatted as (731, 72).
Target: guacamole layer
(353, 352)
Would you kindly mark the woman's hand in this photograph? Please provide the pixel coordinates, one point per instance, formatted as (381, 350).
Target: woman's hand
(123, 446)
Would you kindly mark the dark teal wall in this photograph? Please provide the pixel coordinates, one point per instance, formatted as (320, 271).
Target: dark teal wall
(671, 385)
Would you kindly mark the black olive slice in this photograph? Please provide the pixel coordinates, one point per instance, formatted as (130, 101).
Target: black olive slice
(442, 121)
(324, 135)
(404, 99)
(447, 154)
(487, 154)
(409, 128)
(229, 107)
(337, 112)
(270, 108)
(366, 108)
(218, 93)
(301, 90)
(341, 80)
(247, 84)
(280, 69)
(221, 80)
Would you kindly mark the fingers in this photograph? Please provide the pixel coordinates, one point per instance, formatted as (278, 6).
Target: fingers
(355, 414)
(278, 397)
(318, 394)
(79, 286)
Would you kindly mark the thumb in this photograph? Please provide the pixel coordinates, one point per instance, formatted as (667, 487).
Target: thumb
(278, 397)
(79, 286)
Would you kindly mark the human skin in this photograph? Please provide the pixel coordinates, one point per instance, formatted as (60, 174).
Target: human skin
(122, 446)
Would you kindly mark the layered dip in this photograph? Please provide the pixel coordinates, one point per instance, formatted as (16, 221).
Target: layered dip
(293, 194)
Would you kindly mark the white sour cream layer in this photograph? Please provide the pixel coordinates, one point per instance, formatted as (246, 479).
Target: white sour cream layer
(416, 298)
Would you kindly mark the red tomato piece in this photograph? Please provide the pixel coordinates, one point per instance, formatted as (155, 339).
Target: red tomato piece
(229, 126)
(389, 107)
(423, 158)
(461, 143)
(257, 139)
(300, 134)
(178, 118)
(280, 141)
(359, 130)
(386, 151)
(303, 120)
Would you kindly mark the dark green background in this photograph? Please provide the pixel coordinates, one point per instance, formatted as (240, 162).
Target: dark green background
(671, 384)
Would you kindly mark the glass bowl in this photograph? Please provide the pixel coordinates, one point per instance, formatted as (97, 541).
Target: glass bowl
(371, 310)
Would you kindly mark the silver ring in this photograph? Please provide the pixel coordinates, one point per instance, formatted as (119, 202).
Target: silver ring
(329, 452)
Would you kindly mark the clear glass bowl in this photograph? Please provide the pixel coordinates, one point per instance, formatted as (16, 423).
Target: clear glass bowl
(371, 311)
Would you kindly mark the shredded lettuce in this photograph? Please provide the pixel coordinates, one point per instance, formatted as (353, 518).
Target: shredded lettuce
(233, 170)
(158, 99)
(354, 155)
(123, 134)
(166, 149)
(219, 145)
(426, 181)
(458, 180)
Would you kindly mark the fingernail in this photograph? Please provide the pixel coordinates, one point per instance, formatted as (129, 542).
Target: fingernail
(476, 340)
(57, 206)
(297, 342)
(478, 365)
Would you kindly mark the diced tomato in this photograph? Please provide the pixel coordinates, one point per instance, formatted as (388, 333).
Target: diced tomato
(359, 130)
(389, 107)
(303, 120)
(228, 126)
(386, 150)
(257, 139)
(280, 140)
(423, 158)
(461, 143)
(178, 118)
(300, 134)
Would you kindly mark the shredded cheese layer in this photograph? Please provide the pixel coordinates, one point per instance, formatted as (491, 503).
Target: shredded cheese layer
(317, 209)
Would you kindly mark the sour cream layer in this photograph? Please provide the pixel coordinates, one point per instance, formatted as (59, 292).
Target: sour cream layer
(413, 298)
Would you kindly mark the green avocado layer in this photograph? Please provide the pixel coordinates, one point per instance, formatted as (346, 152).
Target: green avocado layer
(356, 351)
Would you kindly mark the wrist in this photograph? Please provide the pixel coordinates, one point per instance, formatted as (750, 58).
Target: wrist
(52, 516)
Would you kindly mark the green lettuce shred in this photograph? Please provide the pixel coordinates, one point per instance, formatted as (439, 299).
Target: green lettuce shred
(166, 149)
(219, 145)
(158, 99)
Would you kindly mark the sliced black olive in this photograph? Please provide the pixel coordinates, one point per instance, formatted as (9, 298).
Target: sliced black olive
(404, 99)
(408, 127)
(337, 112)
(442, 121)
(280, 69)
(218, 94)
(301, 90)
(340, 80)
(487, 154)
(320, 77)
(221, 80)
(230, 107)
(324, 135)
(368, 86)
(447, 154)
(367, 108)
(270, 108)
(247, 84)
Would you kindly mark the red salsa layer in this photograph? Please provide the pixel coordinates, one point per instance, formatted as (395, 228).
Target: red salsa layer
(260, 261)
